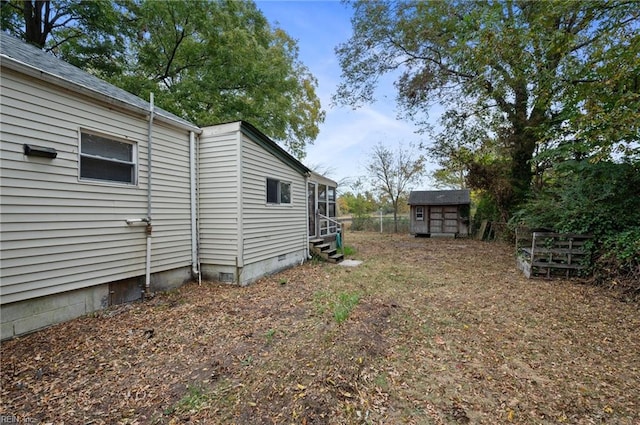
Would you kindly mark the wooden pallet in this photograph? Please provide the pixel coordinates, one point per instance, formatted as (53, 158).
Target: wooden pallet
(551, 254)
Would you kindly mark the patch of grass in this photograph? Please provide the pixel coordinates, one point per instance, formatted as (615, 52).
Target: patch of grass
(247, 361)
(196, 399)
(340, 304)
(347, 250)
(345, 303)
(381, 381)
(269, 335)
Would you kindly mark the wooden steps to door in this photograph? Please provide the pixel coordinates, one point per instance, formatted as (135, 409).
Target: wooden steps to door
(323, 250)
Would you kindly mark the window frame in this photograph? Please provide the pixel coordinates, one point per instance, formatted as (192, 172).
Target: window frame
(134, 163)
(327, 197)
(419, 213)
(279, 194)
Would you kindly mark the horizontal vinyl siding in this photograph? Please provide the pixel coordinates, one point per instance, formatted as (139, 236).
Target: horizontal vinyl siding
(171, 199)
(270, 230)
(61, 234)
(218, 196)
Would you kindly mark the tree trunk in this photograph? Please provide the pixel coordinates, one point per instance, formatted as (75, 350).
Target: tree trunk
(523, 145)
(33, 23)
(521, 167)
(395, 216)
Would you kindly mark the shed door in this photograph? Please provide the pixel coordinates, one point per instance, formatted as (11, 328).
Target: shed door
(436, 219)
(451, 219)
(443, 219)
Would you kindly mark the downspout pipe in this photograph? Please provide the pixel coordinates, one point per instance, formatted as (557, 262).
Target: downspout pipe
(147, 277)
(193, 158)
(307, 254)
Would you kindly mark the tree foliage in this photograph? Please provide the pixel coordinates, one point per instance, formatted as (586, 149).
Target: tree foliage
(89, 34)
(221, 61)
(358, 204)
(601, 199)
(393, 172)
(535, 74)
(207, 61)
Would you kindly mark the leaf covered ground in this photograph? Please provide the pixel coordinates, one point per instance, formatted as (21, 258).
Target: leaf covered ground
(425, 331)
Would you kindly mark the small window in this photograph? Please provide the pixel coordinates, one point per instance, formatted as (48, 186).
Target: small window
(332, 194)
(106, 159)
(278, 192)
(322, 192)
(420, 213)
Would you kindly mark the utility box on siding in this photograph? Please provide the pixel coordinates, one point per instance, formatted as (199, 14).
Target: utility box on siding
(440, 212)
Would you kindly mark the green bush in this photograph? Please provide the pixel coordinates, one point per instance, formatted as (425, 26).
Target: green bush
(619, 263)
(601, 199)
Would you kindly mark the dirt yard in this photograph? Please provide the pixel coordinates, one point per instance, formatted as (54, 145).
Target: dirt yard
(425, 331)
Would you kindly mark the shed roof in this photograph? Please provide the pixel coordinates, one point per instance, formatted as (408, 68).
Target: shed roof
(439, 197)
(20, 56)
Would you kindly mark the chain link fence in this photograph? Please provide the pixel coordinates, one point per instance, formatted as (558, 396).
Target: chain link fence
(372, 223)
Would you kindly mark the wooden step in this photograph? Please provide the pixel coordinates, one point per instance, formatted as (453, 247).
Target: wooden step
(316, 241)
(336, 258)
(323, 247)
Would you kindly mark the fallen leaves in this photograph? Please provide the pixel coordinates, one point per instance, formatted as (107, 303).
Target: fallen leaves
(444, 331)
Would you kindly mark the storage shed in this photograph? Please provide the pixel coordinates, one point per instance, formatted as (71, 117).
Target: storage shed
(439, 212)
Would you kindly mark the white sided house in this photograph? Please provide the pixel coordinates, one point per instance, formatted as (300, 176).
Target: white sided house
(82, 189)
(101, 196)
(253, 204)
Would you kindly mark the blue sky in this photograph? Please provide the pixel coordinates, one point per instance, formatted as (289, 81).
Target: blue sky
(347, 136)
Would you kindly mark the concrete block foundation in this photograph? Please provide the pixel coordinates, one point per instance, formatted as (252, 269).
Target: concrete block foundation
(27, 316)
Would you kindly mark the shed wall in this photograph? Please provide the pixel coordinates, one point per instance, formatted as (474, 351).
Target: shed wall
(439, 219)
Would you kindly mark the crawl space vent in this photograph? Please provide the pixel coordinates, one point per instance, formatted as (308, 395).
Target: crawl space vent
(225, 277)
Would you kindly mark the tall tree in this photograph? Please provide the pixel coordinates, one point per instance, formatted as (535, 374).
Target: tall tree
(219, 61)
(89, 34)
(208, 61)
(533, 67)
(393, 172)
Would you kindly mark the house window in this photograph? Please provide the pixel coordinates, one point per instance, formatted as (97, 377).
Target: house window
(106, 159)
(278, 192)
(420, 213)
(327, 207)
(331, 207)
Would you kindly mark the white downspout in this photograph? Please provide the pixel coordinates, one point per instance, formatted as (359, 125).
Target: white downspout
(147, 277)
(307, 255)
(240, 206)
(195, 263)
